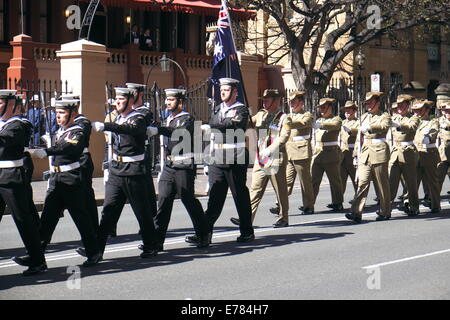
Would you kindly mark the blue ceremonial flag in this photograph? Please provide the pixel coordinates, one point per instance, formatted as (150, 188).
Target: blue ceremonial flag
(225, 64)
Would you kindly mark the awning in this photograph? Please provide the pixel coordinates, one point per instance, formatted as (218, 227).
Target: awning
(199, 7)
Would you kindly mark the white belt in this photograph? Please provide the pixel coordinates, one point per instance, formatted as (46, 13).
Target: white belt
(429, 145)
(406, 143)
(229, 145)
(118, 158)
(11, 163)
(300, 138)
(377, 140)
(182, 157)
(330, 143)
(64, 168)
(351, 145)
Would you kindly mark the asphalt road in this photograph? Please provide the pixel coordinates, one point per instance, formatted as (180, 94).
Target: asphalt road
(322, 256)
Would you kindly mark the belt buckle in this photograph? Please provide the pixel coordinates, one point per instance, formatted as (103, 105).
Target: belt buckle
(57, 169)
(219, 146)
(119, 158)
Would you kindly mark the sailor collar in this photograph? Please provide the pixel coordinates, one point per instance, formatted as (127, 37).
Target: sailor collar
(182, 113)
(13, 118)
(120, 119)
(62, 131)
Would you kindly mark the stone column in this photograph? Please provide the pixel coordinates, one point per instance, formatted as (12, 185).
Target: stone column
(83, 66)
(134, 70)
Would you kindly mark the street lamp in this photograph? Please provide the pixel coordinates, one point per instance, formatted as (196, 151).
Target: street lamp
(360, 59)
(165, 67)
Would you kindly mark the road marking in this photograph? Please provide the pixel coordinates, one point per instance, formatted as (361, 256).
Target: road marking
(217, 235)
(407, 259)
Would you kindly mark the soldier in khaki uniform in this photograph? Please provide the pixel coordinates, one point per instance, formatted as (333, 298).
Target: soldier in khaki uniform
(425, 141)
(444, 147)
(373, 159)
(273, 129)
(349, 131)
(327, 154)
(299, 151)
(403, 160)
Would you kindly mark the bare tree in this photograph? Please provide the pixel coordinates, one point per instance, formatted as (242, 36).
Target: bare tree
(360, 22)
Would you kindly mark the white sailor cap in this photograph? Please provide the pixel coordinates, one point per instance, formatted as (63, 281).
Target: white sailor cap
(8, 93)
(228, 82)
(173, 92)
(124, 92)
(70, 96)
(136, 86)
(66, 104)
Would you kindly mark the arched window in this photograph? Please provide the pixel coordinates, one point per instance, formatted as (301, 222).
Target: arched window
(99, 27)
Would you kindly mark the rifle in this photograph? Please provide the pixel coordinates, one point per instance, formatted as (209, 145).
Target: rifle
(48, 132)
(109, 150)
(161, 137)
(359, 140)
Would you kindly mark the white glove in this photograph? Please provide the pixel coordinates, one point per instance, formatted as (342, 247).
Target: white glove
(205, 127)
(98, 126)
(444, 125)
(264, 153)
(38, 153)
(346, 129)
(426, 131)
(365, 128)
(152, 131)
(205, 170)
(47, 139)
(395, 124)
(316, 125)
(426, 140)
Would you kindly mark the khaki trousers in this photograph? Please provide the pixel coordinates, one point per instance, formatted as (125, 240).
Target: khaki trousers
(333, 171)
(397, 170)
(442, 172)
(303, 169)
(427, 173)
(259, 184)
(348, 170)
(379, 174)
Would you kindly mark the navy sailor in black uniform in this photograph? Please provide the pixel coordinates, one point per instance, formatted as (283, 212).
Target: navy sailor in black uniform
(65, 186)
(178, 174)
(15, 187)
(229, 160)
(127, 175)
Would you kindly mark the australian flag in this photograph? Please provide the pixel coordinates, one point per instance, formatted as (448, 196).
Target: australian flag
(225, 64)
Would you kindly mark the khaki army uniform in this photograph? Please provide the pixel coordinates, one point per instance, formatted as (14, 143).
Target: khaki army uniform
(273, 132)
(299, 153)
(373, 163)
(327, 158)
(444, 150)
(348, 140)
(403, 160)
(425, 141)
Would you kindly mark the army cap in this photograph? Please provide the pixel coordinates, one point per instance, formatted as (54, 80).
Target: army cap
(177, 93)
(8, 94)
(124, 92)
(373, 94)
(404, 98)
(228, 82)
(136, 86)
(350, 104)
(296, 94)
(272, 93)
(394, 105)
(324, 101)
(66, 104)
(418, 104)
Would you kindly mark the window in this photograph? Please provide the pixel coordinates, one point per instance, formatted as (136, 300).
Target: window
(2, 21)
(43, 37)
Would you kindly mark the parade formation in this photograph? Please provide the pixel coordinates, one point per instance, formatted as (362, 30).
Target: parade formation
(371, 145)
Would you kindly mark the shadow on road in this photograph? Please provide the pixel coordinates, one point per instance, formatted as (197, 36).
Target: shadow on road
(170, 257)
